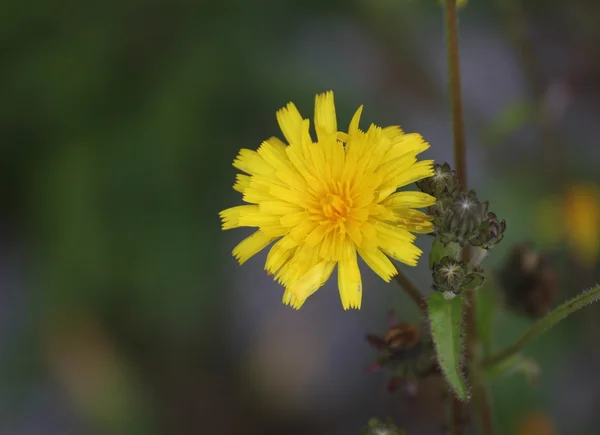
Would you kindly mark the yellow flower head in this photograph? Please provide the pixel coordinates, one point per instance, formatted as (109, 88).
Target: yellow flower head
(582, 221)
(323, 202)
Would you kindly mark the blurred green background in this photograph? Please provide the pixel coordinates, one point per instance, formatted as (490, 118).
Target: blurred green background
(122, 310)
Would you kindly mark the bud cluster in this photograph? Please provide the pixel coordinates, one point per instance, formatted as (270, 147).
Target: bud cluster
(460, 217)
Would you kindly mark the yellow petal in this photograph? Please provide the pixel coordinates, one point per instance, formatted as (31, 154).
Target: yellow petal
(278, 207)
(380, 264)
(231, 216)
(393, 232)
(290, 122)
(394, 132)
(257, 219)
(316, 235)
(353, 127)
(403, 200)
(273, 152)
(349, 280)
(416, 172)
(279, 254)
(252, 163)
(405, 252)
(294, 219)
(325, 120)
(292, 300)
(242, 182)
(300, 231)
(312, 280)
(251, 246)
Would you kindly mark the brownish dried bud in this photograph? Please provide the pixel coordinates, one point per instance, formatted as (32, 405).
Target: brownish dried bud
(405, 352)
(528, 281)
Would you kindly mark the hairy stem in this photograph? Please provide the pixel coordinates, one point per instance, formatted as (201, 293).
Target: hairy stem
(543, 324)
(412, 291)
(460, 162)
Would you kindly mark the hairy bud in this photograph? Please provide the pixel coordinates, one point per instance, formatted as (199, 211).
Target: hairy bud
(462, 218)
(443, 180)
(489, 233)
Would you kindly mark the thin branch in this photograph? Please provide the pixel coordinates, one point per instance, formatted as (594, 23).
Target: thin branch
(544, 324)
(411, 290)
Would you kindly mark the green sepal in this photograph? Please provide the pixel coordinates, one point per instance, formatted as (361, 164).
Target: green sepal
(445, 318)
(438, 251)
(472, 281)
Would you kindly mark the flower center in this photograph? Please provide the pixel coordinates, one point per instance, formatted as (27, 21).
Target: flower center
(335, 208)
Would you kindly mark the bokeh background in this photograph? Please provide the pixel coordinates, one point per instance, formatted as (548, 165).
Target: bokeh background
(122, 310)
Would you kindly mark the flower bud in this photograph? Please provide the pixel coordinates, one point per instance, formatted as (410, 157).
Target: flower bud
(461, 220)
(449, 275)
(443, 180)
(528, 281)
(489, 233)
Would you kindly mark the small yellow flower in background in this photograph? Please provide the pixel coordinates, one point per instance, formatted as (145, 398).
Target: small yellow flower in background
(325, 202)
(573, 218)
(582, 221)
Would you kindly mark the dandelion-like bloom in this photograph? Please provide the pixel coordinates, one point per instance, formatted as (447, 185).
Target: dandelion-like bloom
(325, 202)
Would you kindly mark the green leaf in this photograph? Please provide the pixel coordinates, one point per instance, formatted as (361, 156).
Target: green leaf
(445, 317)
(438, 251)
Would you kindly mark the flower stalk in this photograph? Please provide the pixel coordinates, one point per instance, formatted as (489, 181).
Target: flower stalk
(544, 324)
(479, 393)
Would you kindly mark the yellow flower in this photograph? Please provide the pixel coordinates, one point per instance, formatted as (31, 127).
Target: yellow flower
(572, 218)
(326, 201)
(582, 221)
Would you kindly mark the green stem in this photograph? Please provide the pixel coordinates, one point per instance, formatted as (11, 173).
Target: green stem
(411, 290)
(543, 324)
(457, 418)
(460, 161)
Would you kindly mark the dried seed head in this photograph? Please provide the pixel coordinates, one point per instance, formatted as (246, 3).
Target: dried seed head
(406, 352)
(528, 281)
